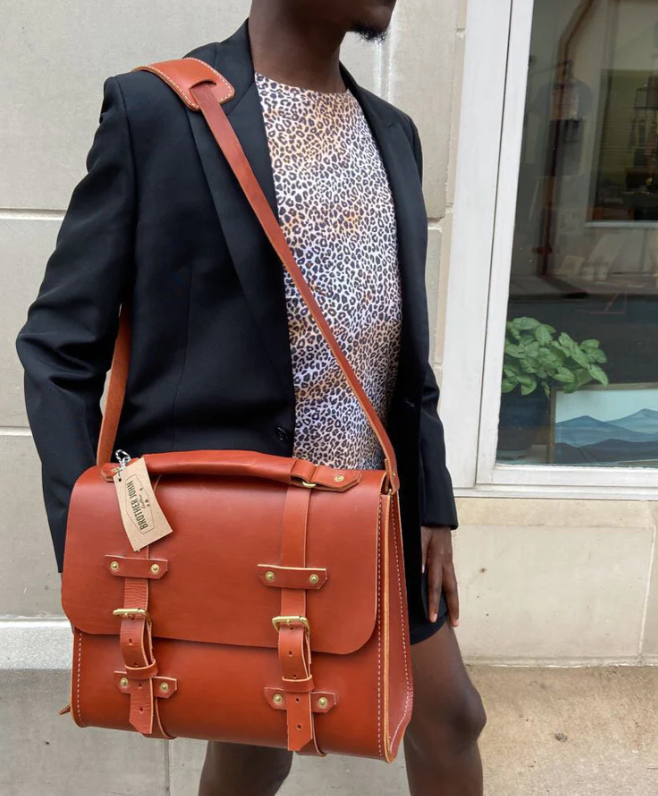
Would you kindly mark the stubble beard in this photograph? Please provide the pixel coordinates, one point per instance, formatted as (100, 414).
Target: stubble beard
(370, 33)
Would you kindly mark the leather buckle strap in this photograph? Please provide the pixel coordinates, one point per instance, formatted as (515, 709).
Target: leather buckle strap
(294, 629)
(297, 682)
(136, 641)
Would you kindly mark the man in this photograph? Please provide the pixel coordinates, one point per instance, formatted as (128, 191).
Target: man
(223, 354)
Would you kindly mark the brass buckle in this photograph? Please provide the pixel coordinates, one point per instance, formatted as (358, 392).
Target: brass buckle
(132, 612)
(277, 621)
(308, 484)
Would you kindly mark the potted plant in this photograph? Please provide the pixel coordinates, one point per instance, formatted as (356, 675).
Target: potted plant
(534, 362)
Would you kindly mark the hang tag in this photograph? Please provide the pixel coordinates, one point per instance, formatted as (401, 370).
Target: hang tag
(142, 516)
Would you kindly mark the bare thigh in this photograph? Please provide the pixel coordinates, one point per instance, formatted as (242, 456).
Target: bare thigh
(440, 746)
(445, 699)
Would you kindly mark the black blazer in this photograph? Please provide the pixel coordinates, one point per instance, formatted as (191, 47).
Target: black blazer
(160, 219)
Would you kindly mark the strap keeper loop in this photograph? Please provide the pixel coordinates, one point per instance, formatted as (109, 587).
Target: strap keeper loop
(305, 686)
(142, 672)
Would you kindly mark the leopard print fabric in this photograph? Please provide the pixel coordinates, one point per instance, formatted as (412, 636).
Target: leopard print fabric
(337, 214)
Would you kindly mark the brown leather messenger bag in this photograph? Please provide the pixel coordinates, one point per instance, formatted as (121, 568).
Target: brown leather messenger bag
(274, 612)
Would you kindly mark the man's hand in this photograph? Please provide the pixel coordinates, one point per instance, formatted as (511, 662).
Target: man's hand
(437, 559)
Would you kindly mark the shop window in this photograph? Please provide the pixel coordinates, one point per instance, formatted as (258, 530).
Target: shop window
(580, 372)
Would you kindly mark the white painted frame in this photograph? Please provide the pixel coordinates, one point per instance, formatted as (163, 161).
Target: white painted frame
(495, 79)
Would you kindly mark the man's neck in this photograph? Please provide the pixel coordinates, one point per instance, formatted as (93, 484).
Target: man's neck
(293, 51)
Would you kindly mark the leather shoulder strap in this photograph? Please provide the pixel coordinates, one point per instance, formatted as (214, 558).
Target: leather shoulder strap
(203, 89)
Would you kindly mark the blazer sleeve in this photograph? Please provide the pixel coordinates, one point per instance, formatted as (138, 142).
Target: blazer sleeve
(66, 343)
(437, 497)
(437, 503)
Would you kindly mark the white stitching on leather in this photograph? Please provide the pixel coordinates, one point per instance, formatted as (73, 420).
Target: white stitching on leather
(172, 83)
(380, 745)
(77, 689)
(404, 642)
(229, 87)
(402, 618)
(188, 99)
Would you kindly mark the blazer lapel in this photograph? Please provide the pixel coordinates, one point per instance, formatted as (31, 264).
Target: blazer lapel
(411, 217)
(412, 240)
(258, 269)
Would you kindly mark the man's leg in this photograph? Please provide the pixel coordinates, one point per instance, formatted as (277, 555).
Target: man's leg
(236, 770)
(441, 743)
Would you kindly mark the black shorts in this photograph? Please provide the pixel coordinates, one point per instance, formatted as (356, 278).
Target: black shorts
(420, 627)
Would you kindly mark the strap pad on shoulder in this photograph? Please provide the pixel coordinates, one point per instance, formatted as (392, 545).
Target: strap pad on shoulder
(184, 73)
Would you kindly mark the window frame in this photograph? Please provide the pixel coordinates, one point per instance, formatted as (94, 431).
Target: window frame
(494, 87)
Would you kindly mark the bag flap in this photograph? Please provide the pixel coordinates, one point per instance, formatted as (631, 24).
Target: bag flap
(212, 589)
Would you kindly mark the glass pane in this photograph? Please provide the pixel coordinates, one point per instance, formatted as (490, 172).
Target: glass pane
(580, 380)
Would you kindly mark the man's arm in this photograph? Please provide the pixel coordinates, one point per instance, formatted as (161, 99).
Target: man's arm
(66, 344)
(438, 513)
(438, 505)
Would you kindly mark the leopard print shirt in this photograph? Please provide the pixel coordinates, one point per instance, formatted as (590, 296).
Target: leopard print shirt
(337, 214)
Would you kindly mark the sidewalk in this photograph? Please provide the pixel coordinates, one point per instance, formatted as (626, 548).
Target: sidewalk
(551, 732)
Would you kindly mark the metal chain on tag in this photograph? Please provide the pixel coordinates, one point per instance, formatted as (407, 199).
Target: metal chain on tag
(123, 458)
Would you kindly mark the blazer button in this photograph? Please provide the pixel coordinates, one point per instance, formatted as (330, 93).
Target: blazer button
(283, 434)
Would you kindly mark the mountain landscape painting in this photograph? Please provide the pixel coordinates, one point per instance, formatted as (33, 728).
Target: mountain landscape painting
(606, 427)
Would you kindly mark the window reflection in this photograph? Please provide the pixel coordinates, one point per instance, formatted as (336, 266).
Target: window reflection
(580, 380)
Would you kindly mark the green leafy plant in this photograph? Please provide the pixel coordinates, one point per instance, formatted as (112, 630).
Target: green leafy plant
(535, 357)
